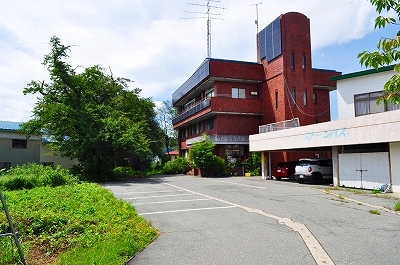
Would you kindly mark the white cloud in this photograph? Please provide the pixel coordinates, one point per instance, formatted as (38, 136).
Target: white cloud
(147, 41)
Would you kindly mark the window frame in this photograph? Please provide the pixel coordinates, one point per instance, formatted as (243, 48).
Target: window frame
(19, 144)
(292, 60)
(241, 92)
(209, 124)
(315, 98)
(294, 96)
(305, 98)
(369, 99)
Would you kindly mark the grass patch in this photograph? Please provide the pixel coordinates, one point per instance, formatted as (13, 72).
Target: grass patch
(78, 223)
(374, 211)
(397, 206)
(33, 175)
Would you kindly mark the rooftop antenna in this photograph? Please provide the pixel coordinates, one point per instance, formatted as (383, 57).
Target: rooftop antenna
(213, 11)
(256, 21)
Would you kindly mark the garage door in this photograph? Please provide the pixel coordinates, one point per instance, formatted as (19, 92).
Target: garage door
(364, 170)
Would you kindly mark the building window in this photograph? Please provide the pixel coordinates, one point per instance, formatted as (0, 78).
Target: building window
(234, 152)
(292, 60)
(314, 98)
(305, 98)
(209, 124)
(365, 104)
(19, 144)
(189, 105)
(303, 61)
(238, 92)
(6, 165)
(196, 128)
(294, 96)
(276, 99)
(210, 92)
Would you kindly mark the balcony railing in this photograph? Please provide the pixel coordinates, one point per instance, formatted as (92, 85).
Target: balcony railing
(197, 108)
(282, 125)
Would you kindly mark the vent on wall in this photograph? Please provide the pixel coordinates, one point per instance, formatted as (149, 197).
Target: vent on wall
(270, 41)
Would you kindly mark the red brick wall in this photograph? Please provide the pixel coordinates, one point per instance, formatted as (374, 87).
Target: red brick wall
(235, 125)
(236, 69)
(295, 30)
(322, 108)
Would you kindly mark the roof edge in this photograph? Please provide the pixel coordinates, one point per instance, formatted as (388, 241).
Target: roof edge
(362, 73)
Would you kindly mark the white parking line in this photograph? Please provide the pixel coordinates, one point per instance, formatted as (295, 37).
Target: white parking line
(319, 254)
(161, 196)
(252, 186)
(142, 203)
(160, 191)
(189, 210)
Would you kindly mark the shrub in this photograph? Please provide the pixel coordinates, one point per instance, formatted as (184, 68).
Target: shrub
(202, 155)
(33, 175)
(178, 166)
(126, 172)
(397, 206)
(253, 164)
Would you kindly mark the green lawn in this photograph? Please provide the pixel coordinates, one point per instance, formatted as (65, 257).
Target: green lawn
(78, 223)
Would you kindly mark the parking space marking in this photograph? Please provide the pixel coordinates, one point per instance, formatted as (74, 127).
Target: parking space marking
(161, 196)
(143, 203)
(189, 210)
(240, 184)
(159, 191)
(319, 254)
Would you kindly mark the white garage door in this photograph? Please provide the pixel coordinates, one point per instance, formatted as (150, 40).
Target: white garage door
(364, 170)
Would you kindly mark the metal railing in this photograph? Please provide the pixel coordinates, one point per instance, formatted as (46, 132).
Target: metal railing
(277, 126)
(200, 106)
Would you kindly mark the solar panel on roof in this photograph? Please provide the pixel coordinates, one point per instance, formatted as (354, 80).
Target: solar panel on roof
(270, 40)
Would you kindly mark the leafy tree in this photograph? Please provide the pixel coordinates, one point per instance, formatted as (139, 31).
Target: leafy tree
(165, 113)
(388, 53)
(91, 116)
(202, 155)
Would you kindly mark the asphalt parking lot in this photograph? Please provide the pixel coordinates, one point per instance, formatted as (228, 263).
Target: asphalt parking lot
(252, 221)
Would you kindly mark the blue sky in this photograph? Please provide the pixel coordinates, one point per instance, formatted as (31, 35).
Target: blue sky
(148, 42)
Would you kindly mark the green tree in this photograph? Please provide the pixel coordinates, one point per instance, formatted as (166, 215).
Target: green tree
(202, 155)
(388, 53)
(165, 113)
(91, 116)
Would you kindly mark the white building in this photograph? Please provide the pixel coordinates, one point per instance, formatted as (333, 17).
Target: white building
(17, 149)
(365, 140)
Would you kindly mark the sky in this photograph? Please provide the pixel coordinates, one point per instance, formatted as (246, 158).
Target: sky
(159, 44)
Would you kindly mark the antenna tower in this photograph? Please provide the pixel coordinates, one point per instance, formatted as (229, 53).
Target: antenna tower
(256, 21)
(213, 10)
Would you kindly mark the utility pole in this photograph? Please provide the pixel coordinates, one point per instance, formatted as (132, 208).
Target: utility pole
(256, 21)
(212, 12)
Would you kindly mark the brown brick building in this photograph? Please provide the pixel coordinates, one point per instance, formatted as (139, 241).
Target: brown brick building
(229, 100)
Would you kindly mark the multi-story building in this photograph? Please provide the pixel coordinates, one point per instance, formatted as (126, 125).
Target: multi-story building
(229, 100)
(364, 141)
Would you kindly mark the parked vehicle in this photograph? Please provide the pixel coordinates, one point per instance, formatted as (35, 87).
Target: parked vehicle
(315, 170)
(284, 170)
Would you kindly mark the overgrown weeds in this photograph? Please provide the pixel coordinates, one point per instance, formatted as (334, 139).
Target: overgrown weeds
(78, 223)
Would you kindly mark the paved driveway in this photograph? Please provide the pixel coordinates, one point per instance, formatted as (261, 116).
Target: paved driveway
(244, 220)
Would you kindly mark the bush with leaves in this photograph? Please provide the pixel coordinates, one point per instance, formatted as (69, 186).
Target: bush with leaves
(253, 164)
(203, 157)
(178, 166)
(33, 175)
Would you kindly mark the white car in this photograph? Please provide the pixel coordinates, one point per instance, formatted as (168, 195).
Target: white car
(315, 170)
